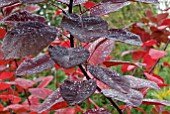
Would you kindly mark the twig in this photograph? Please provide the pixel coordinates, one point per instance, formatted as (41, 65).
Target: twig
(83, 70)
(166, 46)
(49, 3)
(25, 92)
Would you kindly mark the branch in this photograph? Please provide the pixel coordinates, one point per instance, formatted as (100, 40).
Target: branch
(166, 46)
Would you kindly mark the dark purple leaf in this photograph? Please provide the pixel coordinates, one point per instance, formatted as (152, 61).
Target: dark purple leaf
(34, 65)
(75, 92)
(27, 38)
(156, 102)
(99, 50)
(110, 78)
(97, 111)
(133, 97)
(115, 1)
(21, 17)
(138, 83)
(85, 28)
(75, 2)
(148, 1)
(68, 57)
(7, 2)
(124, 36)
(106, 8)
(51, 100)
(30, 1)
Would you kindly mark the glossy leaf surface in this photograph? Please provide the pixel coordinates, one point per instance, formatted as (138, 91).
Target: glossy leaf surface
(110, 78)
(138, 83)
(156, 102)
(27, 38)
(106, 8)
(30, 1)
(124, 36)
(99, 50)
(133, 97)
(34, 65)
(22, 16)
(68, 57)
(85, 28)
(75, 92)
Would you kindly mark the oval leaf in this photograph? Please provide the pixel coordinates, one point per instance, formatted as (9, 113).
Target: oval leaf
(21, 17)
(99, 50)
(41, 93)
(133, 97)
(68, 57)
(51, 100)
(34, 65)
(27, 38)
(75, 92)
(97, 111)
(85, 28)
(106, 8)
(110, 78)
(137, 83)
(124, 36)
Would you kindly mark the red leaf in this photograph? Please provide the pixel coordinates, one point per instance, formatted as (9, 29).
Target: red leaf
(149, 43)
(148, 61)
(100, 50)
(4, 86)
(17, 108)
(97, 111)
(59, 105)
(58, 12)
(166, 64)
(156, 54)
(148, 13)
(1, 107)
(89, 4)
(155, 102)
(12, 98)
(118, 62)
(6, 75)
(166, 22)
(128, 68)
(2, 32)
(66, 110)
(24, 83)
(157, 79)
(40, 92)
(45, 81)
(137, 55)
(162, 16)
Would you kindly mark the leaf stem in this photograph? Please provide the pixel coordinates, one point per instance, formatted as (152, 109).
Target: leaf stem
(83, 70)
(166, 46)
(25, 92)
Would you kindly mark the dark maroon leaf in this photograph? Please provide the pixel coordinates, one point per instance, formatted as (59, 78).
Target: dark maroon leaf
(7, 2)
(156, 102)
(27, 38)
(133, 97)
(147, 1)
(97, 111)
(124, 36)
(75, 2)
(34, 65)
(110, 78)
(21, 17)
(106, 8)
(30, 1)
(51, 100)
(68, 57)
(75, 92)
(85, 28)
(138, 83)
(121, 1)
(99, 50)
(115, 1)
